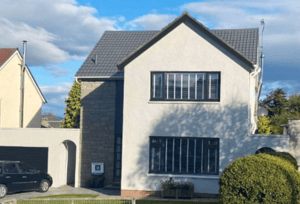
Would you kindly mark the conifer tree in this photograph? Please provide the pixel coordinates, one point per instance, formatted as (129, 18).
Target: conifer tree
(264, 125)
(72, 111)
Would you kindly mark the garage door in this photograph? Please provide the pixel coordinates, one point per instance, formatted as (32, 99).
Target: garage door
(36, 157)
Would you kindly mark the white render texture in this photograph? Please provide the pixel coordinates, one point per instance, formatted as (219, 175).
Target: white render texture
(10, 79)
(187, 49)
(51, 138)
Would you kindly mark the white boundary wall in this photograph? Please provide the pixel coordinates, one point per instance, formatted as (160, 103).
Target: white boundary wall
(44, 137)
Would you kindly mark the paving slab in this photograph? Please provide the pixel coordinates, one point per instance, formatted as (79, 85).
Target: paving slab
(63, 190)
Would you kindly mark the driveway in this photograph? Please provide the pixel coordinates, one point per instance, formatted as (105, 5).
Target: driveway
(63, 190)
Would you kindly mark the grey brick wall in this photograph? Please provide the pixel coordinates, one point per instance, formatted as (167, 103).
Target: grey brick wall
(97, 128)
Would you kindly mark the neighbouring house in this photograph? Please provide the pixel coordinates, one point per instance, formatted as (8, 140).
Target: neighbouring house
(51, 124)
(21, 99)
(180, 102)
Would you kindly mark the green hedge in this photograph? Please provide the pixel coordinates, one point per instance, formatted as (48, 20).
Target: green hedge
(287, 156)
(260, 178)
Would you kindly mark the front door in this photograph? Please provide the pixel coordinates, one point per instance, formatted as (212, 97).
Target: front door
(118, 158)
(118, 130)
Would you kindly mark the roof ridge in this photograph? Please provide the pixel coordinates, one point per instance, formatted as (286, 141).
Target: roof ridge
(132, 31)
(8, 48)
(237, 29)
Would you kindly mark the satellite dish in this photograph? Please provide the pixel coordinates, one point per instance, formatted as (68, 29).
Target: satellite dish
(261, 111)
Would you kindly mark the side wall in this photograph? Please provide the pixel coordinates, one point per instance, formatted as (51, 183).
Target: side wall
(97, 136)
(50, 138)
(10, 77)
(32, 104)
(185, 48)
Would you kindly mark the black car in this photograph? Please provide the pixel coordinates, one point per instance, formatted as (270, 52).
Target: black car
(16, 176)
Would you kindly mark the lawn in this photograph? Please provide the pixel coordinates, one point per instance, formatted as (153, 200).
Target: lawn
(70, 196)
(97, 201)
(106, 202)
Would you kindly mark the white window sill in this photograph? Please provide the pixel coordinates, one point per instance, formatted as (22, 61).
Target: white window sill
(212, 177)
(184, 102)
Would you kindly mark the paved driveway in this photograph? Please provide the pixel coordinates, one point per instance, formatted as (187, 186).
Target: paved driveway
(62, 190)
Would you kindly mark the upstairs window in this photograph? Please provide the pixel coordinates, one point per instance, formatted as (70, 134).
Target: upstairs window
(185, 86)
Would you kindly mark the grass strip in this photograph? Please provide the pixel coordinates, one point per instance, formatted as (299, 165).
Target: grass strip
(70, 196)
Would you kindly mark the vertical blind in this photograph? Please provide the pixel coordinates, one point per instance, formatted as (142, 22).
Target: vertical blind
(185, 86)
(184, 155)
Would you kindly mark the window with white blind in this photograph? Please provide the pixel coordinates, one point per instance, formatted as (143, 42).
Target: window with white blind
(185, 86)
(178, 155)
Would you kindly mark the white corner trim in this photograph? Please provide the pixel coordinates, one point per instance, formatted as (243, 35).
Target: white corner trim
(210, 177)
(35, 85)
(8, 60)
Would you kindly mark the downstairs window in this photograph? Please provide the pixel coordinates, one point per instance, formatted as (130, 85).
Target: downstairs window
(178, 155)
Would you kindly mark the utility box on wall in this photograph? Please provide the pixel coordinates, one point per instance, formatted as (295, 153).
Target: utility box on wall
(97, 171)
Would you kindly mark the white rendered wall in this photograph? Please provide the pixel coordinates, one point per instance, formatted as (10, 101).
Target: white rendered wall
(51, 138)
(186, 49)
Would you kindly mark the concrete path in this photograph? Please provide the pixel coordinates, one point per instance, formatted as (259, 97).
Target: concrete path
(62, 190)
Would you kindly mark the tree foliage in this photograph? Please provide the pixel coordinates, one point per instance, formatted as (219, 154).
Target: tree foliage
(281, 109)
(264, 125)
(72, 111)
(49, 116)
(275, 102)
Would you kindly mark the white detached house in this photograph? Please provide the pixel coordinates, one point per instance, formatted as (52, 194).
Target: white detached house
(190, 99)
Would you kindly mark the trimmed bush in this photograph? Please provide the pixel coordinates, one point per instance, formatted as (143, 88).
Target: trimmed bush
(260, 178)
(286, 156)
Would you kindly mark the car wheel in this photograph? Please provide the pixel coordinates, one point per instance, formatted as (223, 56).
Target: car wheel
(3, 190)
(44, 186)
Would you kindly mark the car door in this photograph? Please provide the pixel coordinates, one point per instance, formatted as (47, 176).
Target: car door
(30, 177)
(11, 177)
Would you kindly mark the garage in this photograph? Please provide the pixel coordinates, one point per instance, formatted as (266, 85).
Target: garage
(36, 157)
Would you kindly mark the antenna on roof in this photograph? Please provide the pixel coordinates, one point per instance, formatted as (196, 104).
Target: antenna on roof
(262, 22)
(262, 56)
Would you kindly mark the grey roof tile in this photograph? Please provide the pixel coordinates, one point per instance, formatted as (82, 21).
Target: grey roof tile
(113, 46)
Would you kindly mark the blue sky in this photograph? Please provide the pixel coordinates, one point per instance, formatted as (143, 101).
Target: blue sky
(61, 33)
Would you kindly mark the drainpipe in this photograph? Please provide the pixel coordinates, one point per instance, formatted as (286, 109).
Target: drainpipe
(22, 86)
(252, 126)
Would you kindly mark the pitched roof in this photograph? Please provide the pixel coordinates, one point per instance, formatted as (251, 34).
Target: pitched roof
(5, 53)
(117, 47)
(110, 49)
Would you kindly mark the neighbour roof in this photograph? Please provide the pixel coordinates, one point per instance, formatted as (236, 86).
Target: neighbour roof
(116, 48)
(5, 53)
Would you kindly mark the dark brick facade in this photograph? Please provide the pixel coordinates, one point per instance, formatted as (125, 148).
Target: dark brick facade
(97, 131)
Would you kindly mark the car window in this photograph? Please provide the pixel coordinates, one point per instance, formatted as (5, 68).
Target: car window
(10, 168)
(26, 169)
(0, 169)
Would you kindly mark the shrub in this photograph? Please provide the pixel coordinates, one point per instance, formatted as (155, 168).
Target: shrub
(286, 156)
(259, 178)
(292, 173)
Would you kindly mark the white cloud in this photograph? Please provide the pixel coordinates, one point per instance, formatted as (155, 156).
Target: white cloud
(151, 21)
(289, 86)
(57, 71)
(282, 30)
(64, 87)
(56, 31)
(56, 96)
